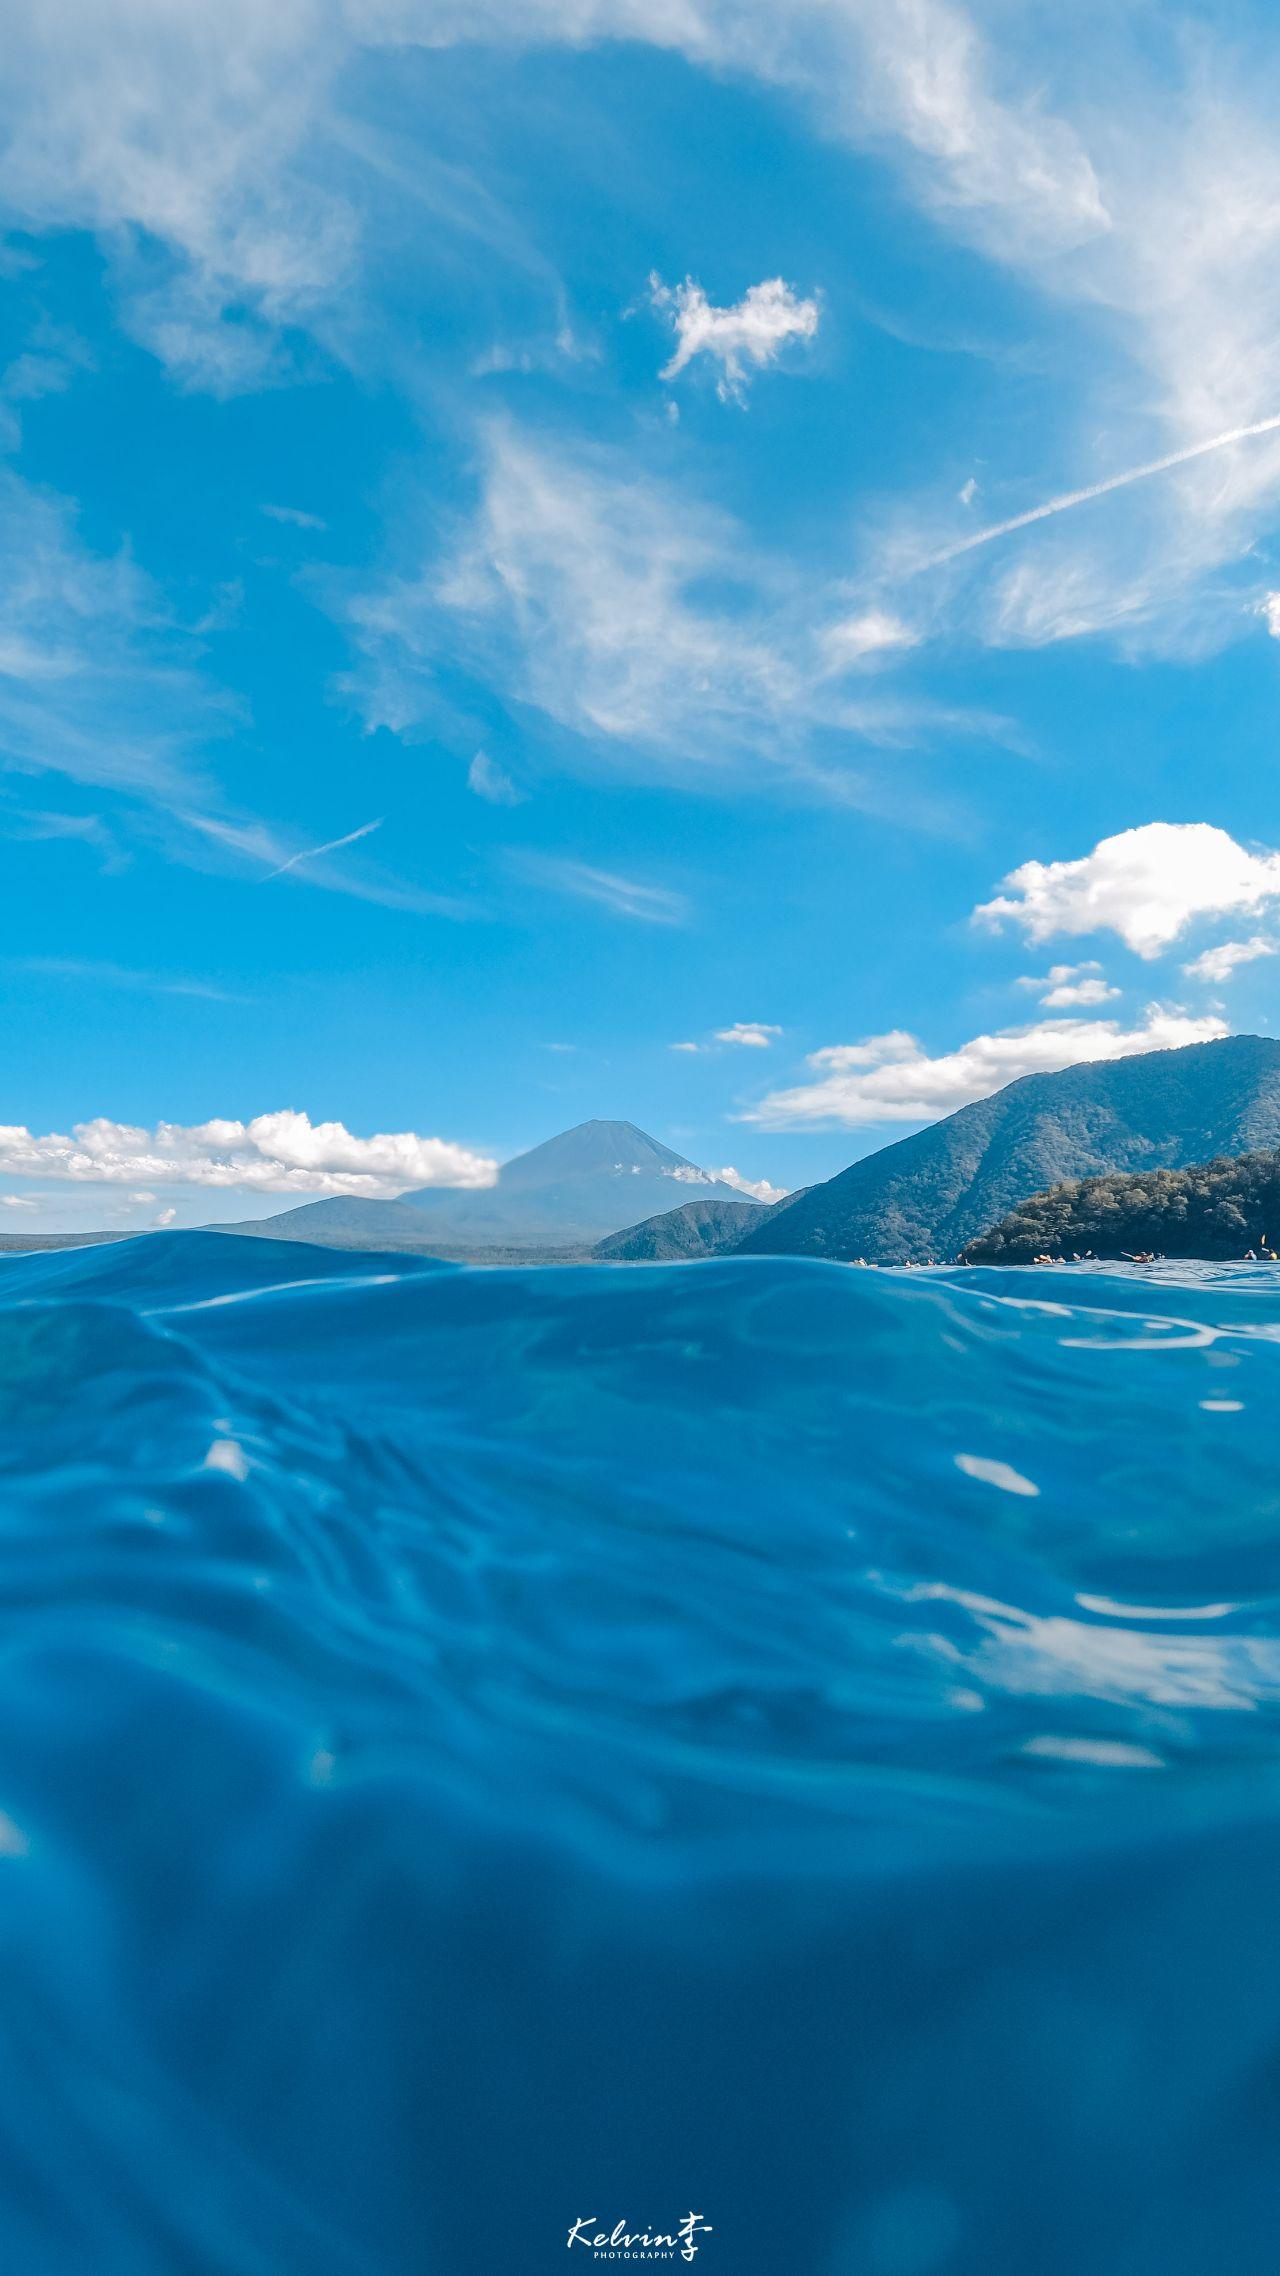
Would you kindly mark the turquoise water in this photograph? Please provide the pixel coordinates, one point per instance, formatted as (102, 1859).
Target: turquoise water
(484, 1750)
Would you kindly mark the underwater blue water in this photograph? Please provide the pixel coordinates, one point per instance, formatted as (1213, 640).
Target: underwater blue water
(483, 1750)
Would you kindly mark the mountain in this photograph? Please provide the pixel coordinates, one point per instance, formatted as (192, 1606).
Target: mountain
(566, 1194)
(931, 1193)
(696, 1229)
(340, 1221)
(1218, 1211)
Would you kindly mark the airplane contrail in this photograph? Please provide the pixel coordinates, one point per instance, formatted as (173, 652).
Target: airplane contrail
(1100, 489)
(335, 845)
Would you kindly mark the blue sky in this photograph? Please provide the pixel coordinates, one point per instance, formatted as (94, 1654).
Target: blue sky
(506, 607)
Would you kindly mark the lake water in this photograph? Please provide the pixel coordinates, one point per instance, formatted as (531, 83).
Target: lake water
(482, 1751)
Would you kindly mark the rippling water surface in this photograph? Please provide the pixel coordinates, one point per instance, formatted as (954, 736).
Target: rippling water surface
(479, 1749)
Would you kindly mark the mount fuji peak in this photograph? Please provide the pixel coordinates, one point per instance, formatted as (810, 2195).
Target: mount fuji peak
(568, 1192)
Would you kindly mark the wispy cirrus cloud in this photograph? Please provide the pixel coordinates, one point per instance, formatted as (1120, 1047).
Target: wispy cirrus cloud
(625, 896)
(584, 586)
(47, 826)
(317, 853)
(1138, 517)
(295, 517)
(492, 783)
(97, 682)
(101, 685)
(262, 850)
(1102, 489)
(226, 157)
(230, 161)
(101, 974)
(574, 584)
(184, 139)
(859, 639)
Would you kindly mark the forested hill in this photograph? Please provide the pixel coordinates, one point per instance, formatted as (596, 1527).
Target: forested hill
(696, 1229)
(1218, 1211)
(927, 1195)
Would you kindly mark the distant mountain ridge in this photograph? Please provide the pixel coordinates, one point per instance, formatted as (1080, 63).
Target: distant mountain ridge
(561, 1196)
(931, 1194)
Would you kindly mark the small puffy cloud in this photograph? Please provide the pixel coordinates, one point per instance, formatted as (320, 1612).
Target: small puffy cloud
(17, 1200)
(1269, 610)
(1217, 964)
(872, 633)
(758, 1189)
(492, 783)
(892, 1078)
(752, 1034)
(686, 1047)
(1064, 987)
(294, 516)
(751, 333)
(274, 1153)
(1146, 884)
(1072, 994)
(165, 1217)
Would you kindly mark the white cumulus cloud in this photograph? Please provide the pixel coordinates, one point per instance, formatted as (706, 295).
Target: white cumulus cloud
(749, 334)
(1217, 964)
(752, 1034)
(274, 1153)
(759, 1189)
(892, 1078)
(1065, 987)
(1146, 884)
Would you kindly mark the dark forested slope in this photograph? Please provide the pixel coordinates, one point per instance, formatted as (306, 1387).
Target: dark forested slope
(931, 1193)
(1221, 1209)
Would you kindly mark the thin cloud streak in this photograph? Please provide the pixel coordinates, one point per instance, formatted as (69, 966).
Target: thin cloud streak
(253, 841)
(624, 896)
(1071, 498)
(121, 976)
(334, 845)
